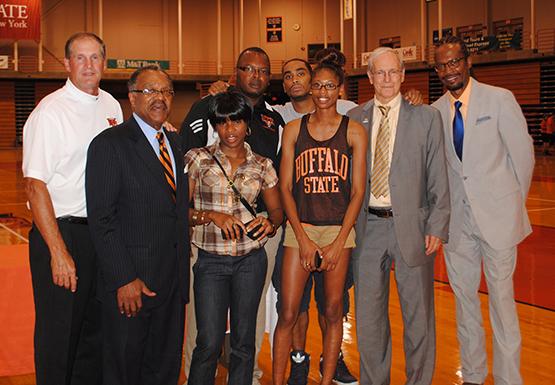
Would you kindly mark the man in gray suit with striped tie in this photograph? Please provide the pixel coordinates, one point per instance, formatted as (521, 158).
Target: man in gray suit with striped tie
(403, 220)
(490, 160)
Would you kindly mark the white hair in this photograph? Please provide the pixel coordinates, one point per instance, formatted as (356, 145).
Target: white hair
(380, 51)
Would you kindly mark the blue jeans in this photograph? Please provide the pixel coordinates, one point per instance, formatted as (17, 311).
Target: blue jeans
(224, 282)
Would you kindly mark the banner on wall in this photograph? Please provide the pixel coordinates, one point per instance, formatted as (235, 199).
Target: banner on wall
(132, 64)
(274, 29)
(4, 64)
(347, 9)
(407, 54)
(501, 42)
(20, 19)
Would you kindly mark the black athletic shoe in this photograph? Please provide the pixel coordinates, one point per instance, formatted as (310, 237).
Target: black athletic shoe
(342, 374)
(300, 364)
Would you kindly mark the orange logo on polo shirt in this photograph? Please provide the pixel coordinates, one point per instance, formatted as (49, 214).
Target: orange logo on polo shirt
(112, 122)
(269, 122)
(311, 163)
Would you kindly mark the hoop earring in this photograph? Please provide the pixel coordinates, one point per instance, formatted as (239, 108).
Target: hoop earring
(249, 131)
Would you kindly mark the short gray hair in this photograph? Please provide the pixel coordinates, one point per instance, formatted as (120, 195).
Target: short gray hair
(83, 35)
(380, 51)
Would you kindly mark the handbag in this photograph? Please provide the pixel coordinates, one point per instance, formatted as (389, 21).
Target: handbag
(245, 203)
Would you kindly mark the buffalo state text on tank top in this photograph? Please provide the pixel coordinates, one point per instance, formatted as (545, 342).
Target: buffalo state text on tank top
(312, 163)
(322, 182)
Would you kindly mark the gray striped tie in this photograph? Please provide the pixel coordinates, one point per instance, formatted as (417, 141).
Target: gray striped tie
(380, 169)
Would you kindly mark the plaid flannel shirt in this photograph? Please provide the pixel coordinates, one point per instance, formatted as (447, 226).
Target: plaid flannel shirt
(212, 192)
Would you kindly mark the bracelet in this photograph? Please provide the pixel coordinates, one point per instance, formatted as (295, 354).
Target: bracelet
(202, 216)
(274, 229)
(195, 216)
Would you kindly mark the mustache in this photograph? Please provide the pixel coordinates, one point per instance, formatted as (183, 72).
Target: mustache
(296, 85)
(158, 103)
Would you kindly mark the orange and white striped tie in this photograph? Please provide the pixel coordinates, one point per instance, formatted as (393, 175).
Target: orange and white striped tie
(166, 163)
(380, 168)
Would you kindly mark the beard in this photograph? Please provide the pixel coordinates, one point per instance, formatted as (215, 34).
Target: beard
(300, 98)
(253, 95)
(455, 87)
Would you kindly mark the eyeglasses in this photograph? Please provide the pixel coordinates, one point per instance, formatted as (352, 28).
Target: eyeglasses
(251, 70)
(151, 92)
(328, 86)
(453, 63)
(381, 74)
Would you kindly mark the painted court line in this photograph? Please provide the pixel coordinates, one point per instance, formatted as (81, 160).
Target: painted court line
(14, 233)
(13, 204)
(542, 200)
(544, 209)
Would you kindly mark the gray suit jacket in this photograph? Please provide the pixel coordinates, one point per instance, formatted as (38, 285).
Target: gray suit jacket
(417, 179)
(496, 171)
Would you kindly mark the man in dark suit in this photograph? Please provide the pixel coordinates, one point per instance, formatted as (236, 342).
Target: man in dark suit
(404, 218)
(137, 202)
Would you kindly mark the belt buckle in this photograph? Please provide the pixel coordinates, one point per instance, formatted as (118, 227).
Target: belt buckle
(381, 213)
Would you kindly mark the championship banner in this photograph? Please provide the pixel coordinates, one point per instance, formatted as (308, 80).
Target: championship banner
(4, 63)
(347, 9)
(20, 19)
(503, 41)
(407, 53)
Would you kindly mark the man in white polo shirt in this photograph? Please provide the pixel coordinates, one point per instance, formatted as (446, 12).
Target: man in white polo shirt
(63, 263)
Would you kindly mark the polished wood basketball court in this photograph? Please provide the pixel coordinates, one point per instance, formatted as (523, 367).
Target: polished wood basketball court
(534, 290)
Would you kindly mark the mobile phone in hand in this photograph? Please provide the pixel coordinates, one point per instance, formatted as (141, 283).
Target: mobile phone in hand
(317, 259)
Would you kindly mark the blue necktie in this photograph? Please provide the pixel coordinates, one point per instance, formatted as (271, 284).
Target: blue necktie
(458, 130)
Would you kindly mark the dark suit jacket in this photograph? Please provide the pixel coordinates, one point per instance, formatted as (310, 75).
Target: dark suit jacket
(137, 228)
(417, 179)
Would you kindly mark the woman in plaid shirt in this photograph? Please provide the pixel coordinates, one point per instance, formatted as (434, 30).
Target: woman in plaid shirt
(224, 179)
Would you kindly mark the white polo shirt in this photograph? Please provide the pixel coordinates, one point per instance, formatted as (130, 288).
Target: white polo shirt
(56, 138)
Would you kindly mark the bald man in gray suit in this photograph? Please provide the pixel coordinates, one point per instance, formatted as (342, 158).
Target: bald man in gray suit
(490, 159)
(404, 219)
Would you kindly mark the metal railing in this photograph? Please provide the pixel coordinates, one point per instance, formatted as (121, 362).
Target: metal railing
(545, 43)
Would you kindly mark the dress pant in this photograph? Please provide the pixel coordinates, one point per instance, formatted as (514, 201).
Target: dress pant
(67, 325)
(191, 320)
(464, 268)
(371, 268)
(271, 248)
(222, 283)
(145, 349)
